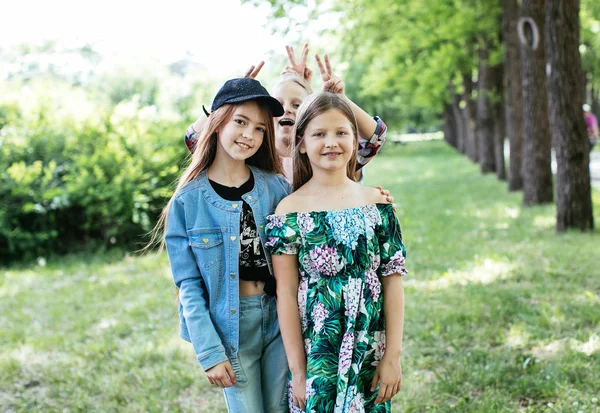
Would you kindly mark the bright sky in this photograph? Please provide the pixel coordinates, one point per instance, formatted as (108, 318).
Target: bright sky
(219, 33)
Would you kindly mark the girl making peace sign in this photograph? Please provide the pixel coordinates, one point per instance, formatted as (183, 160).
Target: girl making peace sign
(290, 90)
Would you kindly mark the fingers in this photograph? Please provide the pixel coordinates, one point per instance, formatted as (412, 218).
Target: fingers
(324, 75)
(230, 373)
(304, 54)
(254, 72)
(290, 53)
(249, 72)
(389, 393)
(375, 380)
(328, 65)
(396, 389)
(381, 394)
(299, 403)
(302, 402)
(327, 86)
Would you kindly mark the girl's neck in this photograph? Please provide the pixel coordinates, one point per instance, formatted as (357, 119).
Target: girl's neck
(227, 171)
(330, 181)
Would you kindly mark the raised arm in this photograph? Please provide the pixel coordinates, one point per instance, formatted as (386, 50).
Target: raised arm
(333, 83)
(371, 130)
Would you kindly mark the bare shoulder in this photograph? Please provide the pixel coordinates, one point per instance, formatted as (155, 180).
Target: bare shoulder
(373, 195)
(287, 204)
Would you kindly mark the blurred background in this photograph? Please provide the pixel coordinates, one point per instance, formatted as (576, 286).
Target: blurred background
(487, 157)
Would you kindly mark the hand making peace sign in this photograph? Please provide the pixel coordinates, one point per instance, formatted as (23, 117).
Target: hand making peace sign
(298, 67)
(331, 82)
(253, 71)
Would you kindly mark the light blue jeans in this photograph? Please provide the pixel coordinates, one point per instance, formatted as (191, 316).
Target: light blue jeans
(261, 366)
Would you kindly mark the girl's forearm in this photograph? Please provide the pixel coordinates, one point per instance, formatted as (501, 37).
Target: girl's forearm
(289, 324)
(393, 309)
(366, 123)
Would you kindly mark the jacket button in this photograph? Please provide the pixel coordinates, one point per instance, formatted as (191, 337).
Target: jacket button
(205, 240)
(233, 311)
(262, 227)
(233, 237)
(249, 198)
(232, 275)
(234, 205)
(233, 347)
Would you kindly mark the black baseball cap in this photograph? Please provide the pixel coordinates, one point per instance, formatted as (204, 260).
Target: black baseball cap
(242, 90)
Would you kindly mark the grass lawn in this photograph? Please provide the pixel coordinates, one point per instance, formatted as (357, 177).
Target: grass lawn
(502, 314)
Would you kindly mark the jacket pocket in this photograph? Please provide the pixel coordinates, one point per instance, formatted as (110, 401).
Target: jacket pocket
(207, 245)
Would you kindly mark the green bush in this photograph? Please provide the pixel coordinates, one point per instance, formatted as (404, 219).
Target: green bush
(77, 171)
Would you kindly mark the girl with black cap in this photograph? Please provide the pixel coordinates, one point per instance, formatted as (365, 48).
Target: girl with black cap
(290, 90)
(214, 234)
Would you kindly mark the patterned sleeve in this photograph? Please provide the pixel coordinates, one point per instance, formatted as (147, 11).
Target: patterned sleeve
(191, 138)
(369, 147)
(391, 247)
(283, 235)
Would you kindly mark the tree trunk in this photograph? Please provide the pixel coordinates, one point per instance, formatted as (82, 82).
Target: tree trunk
(485, 112)
(594, 100)
(537, 174)
(573, 192)
(499, 126)
(470, 141)
(514, 94)
(449, 126)
(458, 119)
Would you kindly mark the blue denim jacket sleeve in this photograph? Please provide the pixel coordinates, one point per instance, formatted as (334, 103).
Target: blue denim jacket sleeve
(192, 291)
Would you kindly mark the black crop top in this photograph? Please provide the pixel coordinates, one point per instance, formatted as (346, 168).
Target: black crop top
(253, 262)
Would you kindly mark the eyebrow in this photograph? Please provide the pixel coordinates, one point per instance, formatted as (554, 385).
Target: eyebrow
(247, 118)
(324, 128)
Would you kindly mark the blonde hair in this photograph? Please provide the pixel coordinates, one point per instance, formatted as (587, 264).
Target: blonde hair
(265, 158)
(312, 107)
(295, 78)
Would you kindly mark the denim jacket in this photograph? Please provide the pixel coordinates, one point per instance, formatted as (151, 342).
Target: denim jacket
(202, 239)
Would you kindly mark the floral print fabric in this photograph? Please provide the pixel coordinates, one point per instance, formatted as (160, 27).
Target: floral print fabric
(341, 255)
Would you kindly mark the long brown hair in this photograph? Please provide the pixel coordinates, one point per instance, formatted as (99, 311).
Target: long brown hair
(312, 107)
(265, 158)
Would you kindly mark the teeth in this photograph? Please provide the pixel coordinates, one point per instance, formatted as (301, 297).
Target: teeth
(243, 145)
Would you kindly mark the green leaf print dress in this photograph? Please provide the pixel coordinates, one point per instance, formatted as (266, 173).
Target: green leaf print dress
(341, 255)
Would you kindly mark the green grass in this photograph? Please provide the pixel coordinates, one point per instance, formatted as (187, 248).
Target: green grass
(502, 313)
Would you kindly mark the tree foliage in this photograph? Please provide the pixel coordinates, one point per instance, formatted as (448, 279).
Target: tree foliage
(88, 155)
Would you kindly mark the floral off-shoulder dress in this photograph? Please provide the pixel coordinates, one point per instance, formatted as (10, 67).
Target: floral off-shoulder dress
(341, 255)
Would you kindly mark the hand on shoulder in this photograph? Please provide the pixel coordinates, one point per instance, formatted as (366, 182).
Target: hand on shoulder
(375, 196)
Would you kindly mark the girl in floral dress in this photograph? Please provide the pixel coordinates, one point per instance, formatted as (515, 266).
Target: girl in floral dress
(337, 258)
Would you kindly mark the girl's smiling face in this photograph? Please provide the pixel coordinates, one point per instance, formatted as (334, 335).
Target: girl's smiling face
(290, 94)
(243, 134)
(329, 141)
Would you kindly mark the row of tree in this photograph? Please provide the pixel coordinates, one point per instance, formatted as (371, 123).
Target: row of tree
(534, 96)
(491, 70)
